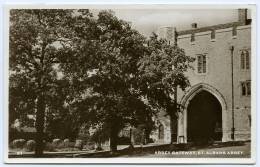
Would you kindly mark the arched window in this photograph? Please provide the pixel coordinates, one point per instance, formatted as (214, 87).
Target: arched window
(161, 132)
(245, 59)
(246, 88)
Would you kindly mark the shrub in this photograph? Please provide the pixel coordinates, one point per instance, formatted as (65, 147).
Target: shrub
(89, 146)
(30, 145)
(66, 142)
(18, 143)
(72, 144)
(79, 144)
(57, 143)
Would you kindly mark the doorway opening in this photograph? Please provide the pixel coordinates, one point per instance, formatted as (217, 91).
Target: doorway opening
(204, 124)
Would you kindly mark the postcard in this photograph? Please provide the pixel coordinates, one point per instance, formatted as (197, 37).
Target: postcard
(135, 84)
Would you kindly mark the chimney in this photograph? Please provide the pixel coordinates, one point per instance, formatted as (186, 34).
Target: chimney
(168, 33)
(194, 25)
(242, 16)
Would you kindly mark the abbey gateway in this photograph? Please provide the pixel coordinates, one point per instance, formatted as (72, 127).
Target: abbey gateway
(217, 105)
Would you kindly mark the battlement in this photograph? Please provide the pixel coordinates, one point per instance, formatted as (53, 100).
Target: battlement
(231, 32)
(169, 33)
(212, 28)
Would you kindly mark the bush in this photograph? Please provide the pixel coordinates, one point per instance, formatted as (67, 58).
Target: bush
(30, 145)
(57, 143)
(89, 146)
(79, 144)
(66, 142)
(18, 143)
(71, 144)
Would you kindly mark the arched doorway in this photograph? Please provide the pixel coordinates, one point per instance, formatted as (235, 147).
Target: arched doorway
(186, 100)
(161, 132)
(204, 118)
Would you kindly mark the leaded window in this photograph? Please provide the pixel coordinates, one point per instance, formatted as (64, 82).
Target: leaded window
(244, 59)
(202, 64)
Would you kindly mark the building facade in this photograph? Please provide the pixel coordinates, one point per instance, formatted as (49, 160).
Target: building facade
(217, 105)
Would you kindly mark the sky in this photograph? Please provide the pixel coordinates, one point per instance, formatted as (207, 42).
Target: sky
(147, 21)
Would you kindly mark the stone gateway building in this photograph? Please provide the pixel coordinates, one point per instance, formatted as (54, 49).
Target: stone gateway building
(217, 105)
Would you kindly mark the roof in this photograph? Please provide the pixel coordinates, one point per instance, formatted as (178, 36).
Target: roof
(214, 27)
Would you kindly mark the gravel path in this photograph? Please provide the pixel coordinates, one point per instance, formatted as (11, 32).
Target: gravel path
(223, 152)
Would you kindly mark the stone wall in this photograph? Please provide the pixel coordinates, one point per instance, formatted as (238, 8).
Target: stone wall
(218, 75)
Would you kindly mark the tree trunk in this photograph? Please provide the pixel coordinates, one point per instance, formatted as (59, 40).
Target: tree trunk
(99, 146)
(40, 126)
(147, 135)
(132, 140)
(173, 127)
(113, 139)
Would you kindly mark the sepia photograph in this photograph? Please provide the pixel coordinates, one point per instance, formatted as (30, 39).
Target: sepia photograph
(130, 84)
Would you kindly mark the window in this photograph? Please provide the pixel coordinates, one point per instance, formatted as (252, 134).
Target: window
(249, 120)
(202, 64)
(161, 132)
(245, 59)
(246, 88)
(192, 39)
(234, 31)
(213, 34)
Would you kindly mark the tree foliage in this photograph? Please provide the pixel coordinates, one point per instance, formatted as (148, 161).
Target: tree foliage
(37, 38)
(162, 69)
(71, 68)
(107, 69)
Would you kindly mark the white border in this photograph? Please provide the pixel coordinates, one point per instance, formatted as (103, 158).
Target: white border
(132, 160)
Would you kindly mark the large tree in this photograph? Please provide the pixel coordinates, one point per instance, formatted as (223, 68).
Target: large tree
(162, 70)
(37, 40)
(106, 69)
(66, 63)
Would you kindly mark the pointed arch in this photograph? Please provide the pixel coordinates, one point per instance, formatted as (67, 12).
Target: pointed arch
(200, 87)
(185, 100)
